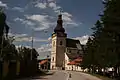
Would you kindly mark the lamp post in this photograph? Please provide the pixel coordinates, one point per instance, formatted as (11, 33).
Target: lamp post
(47, 62)
(32, 41)
(32, 44)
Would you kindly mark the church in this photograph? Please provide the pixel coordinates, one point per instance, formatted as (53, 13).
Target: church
(66, 53)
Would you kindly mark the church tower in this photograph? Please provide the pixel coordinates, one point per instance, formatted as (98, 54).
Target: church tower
(58, 45)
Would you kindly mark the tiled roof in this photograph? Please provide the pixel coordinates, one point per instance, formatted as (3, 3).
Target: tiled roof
(72, 43)
(79, 59)
(43, 62)
(72, 63)
(72, 56)
(75, 61)
(75, 44)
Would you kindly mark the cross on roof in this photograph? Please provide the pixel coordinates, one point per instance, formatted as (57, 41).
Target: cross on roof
(60, 11)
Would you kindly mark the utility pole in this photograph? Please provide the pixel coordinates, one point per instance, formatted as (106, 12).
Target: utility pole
(47, 62)
(32, 44)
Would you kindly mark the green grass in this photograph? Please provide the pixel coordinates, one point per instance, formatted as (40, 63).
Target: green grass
(102, 77)
(99, 76)
(44, 73)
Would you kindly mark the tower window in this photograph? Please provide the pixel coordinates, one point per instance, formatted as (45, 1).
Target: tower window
(61, 43)
(53, 59)
(54, 43)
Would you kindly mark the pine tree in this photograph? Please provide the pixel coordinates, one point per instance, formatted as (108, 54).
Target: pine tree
(111, 31)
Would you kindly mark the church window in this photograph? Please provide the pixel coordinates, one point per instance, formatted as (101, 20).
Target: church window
(53, 59)
(54, 43)
(60, 42)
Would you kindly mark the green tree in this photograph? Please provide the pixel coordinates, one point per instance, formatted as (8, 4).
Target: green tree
(111, 22)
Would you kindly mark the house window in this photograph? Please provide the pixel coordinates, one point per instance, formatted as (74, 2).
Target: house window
(65, 61)
(78, 52)
(69, 51)
(60, 42)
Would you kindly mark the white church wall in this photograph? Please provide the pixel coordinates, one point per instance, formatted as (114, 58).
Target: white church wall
(53, 53)
(66, 62)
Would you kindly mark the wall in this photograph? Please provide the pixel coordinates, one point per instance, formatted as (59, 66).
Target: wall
(57, 53)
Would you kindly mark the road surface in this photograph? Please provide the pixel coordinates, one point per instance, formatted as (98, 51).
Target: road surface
(64, 75)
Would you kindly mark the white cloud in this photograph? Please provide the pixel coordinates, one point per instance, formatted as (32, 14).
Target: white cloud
(44, 48)
(20, 37)
(3, 4)
(54, 6)
(40, 40)
(51, 0)
(18, 19)
(26, 22)
(23, 39)
(43, 21)
(41, 5)
(67, 18)
(83, 39)
(17, 35)
(18, 9)
(66, 14)
(39, 18)
(49, 39)
(26, 38)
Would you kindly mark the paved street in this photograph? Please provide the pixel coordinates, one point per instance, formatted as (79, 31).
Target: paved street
(64, 75)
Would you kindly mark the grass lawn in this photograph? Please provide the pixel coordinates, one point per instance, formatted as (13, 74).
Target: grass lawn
(102, 77)
(99, 76)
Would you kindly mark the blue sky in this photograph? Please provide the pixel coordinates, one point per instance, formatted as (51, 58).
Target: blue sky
(39, 16)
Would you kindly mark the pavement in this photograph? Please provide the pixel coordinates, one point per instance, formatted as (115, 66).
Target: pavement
(64, 75)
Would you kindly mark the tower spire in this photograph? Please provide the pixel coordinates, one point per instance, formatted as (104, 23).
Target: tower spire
(59, 27)
(60, 11)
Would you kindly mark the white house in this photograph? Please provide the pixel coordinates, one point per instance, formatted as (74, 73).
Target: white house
(66, 53)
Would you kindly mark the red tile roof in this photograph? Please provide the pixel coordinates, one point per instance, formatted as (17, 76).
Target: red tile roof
(43, 62)
(72, 63)
(78, 59)
(75, 61)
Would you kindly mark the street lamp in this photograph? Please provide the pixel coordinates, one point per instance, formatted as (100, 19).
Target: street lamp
(47, 61)
(32, 43)
(32, 40)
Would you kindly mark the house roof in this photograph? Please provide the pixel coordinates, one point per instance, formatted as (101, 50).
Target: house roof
(43, 62)
(79, 59)
(72, 56)
(72, 63)
(72, 43)
(75, 61)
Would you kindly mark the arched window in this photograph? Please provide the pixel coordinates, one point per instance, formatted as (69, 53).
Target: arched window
(60, 42)
(53, 59)
(53, 43)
